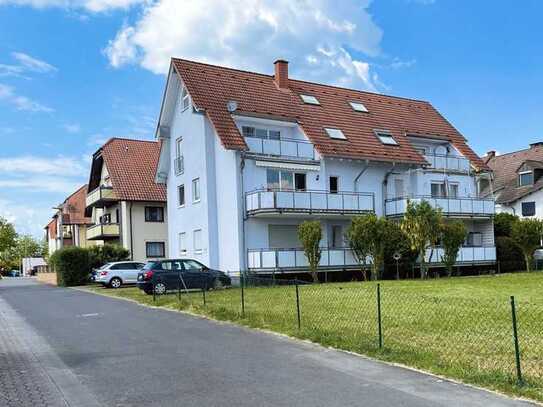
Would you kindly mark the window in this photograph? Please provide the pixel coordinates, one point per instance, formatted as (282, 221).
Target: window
(283, 236)
(105, 219)
(185, 99)
(264, 134)
(337, 236)
(525, 178)
(399, 187)
(191, 265)
(155, 249)
(154, 214)
(358, 107)
(475, 239)
(196, 190)
(386, 138)
(335, 133)
(183, 244)
(197, 236)
(334, 185)
(438, 190)
(178, 161)
(299, 182)
(453, 190)
(285, 180)
(528, 209)
(310, 100)
(181, 195)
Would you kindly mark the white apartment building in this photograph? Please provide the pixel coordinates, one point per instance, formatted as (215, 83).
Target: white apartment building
(247, 157)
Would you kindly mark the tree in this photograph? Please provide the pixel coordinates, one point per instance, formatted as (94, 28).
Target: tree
(368, 236)
(310, 235)
(453, 234)
(421, 225)
(526, 233)
(397, 243)
(503, 223)
(7, 243)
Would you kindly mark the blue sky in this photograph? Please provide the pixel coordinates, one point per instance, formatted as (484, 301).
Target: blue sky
(75, 72)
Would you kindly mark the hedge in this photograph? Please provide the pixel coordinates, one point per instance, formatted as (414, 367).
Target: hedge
(73, 264)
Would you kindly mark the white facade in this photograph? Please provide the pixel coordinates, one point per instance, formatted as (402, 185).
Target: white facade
(244, 219)
(516, 207)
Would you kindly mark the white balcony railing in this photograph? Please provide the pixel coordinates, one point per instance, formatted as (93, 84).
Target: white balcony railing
(290, 148)
(268, 259)
(179, 165)
(264, 201)
(465, 254)
(448, 162)
(100, 195)
(449, 206)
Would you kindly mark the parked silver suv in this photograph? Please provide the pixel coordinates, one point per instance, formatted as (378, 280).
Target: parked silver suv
(116, 274)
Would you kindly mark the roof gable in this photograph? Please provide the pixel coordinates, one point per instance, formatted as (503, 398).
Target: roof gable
(211, 87)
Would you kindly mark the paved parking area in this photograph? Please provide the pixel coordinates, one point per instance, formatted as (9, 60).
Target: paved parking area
(65, 347)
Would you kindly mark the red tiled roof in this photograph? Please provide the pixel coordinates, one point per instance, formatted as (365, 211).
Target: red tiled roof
(132, 165)
(211, 87)
(505, 168)
(74, 208)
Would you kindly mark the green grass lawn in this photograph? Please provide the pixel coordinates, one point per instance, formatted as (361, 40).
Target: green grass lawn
(458, 327)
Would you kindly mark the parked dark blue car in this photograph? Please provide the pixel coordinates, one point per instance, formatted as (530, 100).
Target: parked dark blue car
(165, 275)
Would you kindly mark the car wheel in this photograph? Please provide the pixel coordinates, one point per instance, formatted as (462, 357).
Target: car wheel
(115, 282)
(160, 288)
(217, 284)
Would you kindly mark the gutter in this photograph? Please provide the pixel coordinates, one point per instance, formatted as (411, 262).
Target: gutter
(367, 164)
(243, 209)
(131, 234)
(384, 186)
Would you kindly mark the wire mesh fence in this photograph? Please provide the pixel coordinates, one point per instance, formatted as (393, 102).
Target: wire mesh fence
(496, 342)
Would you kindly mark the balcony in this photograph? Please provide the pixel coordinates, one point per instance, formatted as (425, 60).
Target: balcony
(100, 196)
(475, 254)
(288, 148)
(103, 231)
(294, 259)
(179, 165)
(264, 202)
(448, 163)
(453, 207)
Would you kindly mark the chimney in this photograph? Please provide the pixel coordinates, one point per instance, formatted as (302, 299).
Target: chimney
(281, 73)
(536, 144)
(491, 154)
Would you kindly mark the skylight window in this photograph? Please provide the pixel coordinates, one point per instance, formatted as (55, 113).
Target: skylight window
(358, 107)
(386, 138)
(310, 100)
(335, 133)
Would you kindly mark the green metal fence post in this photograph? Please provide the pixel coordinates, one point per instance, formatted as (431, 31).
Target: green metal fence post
(515, 340)
(204, 294)
(379, 321)
(298, 307)
(154, 292)
(242, 283)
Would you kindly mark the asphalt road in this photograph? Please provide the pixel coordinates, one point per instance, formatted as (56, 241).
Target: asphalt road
(95, 350)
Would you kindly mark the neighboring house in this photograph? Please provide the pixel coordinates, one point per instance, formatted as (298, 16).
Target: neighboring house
(124, 203)
(518, 181)
(68, 227)
(30, 265)
(247, 157)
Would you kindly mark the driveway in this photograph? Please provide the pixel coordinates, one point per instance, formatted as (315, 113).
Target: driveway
(67, 347)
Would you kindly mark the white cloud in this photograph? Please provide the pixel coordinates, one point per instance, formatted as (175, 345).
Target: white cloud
(33, 64)
(60, 166)
(7, 94)
(27, 219)
(95, 6)
(322, 40)
(72, 127)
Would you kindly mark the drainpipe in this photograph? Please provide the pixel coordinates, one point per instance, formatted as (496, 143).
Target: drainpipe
(366, 165)
(384, 186)
(243, 209)
(131, 235)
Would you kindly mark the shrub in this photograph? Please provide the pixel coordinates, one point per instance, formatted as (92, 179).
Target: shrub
(503, 223)
(310, 235)
(526, 233)
(100, 255)
(509, 254)
(453, 235)
(71, 265)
